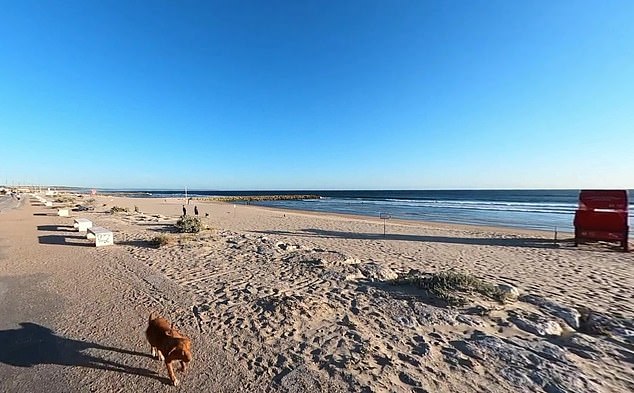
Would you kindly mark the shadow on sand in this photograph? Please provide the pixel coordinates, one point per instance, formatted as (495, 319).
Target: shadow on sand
(138, 243)
(509, 242)
(164, 228)
(64, 240)
(56, 228)
(45, 214)
(33, 344)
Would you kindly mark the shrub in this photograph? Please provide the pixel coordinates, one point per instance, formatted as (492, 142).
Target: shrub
(64, 199)
(447, 286)
(136, 209)
(160, 240)
(189, 224)
(91, 200)
(117, 209)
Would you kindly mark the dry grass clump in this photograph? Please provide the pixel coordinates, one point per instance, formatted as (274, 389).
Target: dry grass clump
(117, 209)
(65, 199)
(451, 286)
(188, 240)
(161, 240)
(189, 224)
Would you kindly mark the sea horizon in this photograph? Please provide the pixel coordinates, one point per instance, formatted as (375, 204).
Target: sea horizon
(540, 209)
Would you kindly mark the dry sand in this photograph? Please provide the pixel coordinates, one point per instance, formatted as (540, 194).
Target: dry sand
(301, 302)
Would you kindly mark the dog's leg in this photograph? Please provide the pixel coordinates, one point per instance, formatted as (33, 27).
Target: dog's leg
(170, 371)
(182, 366)
(153, 352)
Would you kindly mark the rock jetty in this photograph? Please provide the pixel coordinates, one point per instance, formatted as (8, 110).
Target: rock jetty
(258, 198)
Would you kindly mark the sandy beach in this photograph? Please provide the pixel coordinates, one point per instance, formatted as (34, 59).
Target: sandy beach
(289, 301)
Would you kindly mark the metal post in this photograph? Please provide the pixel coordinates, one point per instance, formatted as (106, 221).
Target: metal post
(384, 217)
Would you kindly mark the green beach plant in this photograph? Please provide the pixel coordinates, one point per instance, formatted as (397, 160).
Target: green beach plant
(117, 209)
(189, 224)
(65, 199)
(451, 286)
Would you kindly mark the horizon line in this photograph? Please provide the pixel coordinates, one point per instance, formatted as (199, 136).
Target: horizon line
(308, 189)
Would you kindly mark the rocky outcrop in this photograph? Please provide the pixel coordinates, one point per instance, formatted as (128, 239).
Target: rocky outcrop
(537, 325)
(527, 366)
(568, 314)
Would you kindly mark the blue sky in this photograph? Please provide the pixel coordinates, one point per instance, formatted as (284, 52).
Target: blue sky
(317, 94)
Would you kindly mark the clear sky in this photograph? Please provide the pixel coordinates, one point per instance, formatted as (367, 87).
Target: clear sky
(317, 94)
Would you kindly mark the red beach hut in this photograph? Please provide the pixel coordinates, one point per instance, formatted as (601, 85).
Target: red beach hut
(602, 215)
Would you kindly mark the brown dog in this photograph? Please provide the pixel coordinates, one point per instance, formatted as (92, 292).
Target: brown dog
(168, 344)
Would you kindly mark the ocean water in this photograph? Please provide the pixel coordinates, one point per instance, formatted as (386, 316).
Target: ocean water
(531, 209)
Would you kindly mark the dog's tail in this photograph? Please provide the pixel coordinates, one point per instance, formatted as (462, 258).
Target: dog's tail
(149, 319)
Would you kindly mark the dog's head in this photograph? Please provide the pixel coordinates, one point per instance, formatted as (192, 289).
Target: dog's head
(181, 350)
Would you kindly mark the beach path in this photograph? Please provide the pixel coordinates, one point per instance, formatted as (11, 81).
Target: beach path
(73, 316)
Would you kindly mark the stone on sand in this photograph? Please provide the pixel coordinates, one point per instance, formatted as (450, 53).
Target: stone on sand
(377, 272)
(568, 314)
(510, 292)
